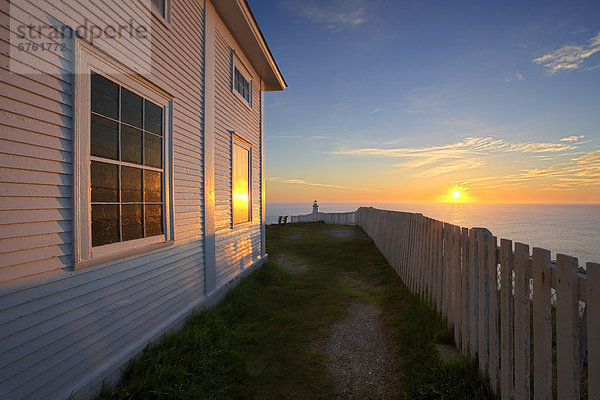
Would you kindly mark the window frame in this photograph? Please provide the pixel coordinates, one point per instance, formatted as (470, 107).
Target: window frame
(236, 140)
(87, 59)
(165, 19)
(236, 64)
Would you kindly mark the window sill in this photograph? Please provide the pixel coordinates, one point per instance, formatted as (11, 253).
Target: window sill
(241, 224)
(241, 98)
(123, 254)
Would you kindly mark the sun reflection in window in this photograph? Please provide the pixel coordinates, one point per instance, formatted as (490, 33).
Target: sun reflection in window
(241, 185)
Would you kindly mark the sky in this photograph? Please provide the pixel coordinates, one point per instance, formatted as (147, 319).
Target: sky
(410, 101)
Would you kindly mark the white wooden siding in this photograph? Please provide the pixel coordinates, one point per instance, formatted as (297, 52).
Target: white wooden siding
(36, 160)
(236, 247)
(63, 330)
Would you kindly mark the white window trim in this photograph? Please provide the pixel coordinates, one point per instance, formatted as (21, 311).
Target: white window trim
(87, 59)
(238, 140)
(236, 63)
(166, 19)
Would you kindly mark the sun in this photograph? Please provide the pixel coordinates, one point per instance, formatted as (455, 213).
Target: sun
(456, 194)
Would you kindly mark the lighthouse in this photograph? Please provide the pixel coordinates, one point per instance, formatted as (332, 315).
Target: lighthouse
(315, 207)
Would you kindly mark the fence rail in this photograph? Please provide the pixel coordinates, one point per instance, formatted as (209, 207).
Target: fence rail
(506, 304)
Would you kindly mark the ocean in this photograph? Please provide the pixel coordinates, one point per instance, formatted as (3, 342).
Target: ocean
(572, 229)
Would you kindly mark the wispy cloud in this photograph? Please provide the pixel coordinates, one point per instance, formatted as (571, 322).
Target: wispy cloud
(297, 181)
(576, 173)
(468, 154)
(517, 76)
(572, 138)
(333, 16)
(467, 146)
(452, 166)
(569, 57)
(377, 110)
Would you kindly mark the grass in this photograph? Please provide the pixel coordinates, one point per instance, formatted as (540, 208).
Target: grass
(262, 340)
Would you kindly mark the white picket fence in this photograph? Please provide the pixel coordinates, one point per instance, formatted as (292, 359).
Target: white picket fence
(499, 299)
(344, 218)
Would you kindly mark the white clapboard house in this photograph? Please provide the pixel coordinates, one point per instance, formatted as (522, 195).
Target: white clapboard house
(131, 178)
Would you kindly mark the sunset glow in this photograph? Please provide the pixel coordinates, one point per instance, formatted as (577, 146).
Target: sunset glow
(399, 104)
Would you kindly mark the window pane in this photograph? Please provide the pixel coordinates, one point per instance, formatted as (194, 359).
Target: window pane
(105, 182)
(132, 221)
(153, 186)
(153, 219)
(153, 118)
(241, 193)
(105, 96)
(131, 108)
(131, 185)
(242, 85)
(105, 138)
(152, 150)
(160, 6)
(131, 144)
(105, 224)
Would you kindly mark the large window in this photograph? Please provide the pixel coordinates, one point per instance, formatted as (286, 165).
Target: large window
(122, 161)
(126, 164)
(240, 177)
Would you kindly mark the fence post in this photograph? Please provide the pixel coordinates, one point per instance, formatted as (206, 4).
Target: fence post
(440, 265)
(484, 296)
(413, 235)
(421, 281)
(409, 240)
(403, 246)
(407, 243)
(506, 323)
(447, 275)
(542, 324)
(522, 324)
(435, 263)
(593, 328)
(492, 265)
(466, 311)
(430, 260)
(567, 328)
(417, 255)
(458, 315)
(452, 275)
(473, 292)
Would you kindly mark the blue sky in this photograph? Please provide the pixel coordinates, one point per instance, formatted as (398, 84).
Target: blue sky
(406, 101)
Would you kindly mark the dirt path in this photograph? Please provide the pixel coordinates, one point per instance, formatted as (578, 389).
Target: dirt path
(363, 355)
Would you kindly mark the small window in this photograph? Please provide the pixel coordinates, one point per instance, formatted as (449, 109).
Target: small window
(240, 79)
(161, 8)
(126, 164)
(241, 85)
(240, 177)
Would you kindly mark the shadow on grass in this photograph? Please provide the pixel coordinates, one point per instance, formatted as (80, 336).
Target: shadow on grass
(261, 341)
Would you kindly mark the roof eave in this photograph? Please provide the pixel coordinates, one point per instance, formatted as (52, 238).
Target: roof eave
(238, 17)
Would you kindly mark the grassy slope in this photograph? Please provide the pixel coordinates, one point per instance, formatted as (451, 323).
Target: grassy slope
(262, 341)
